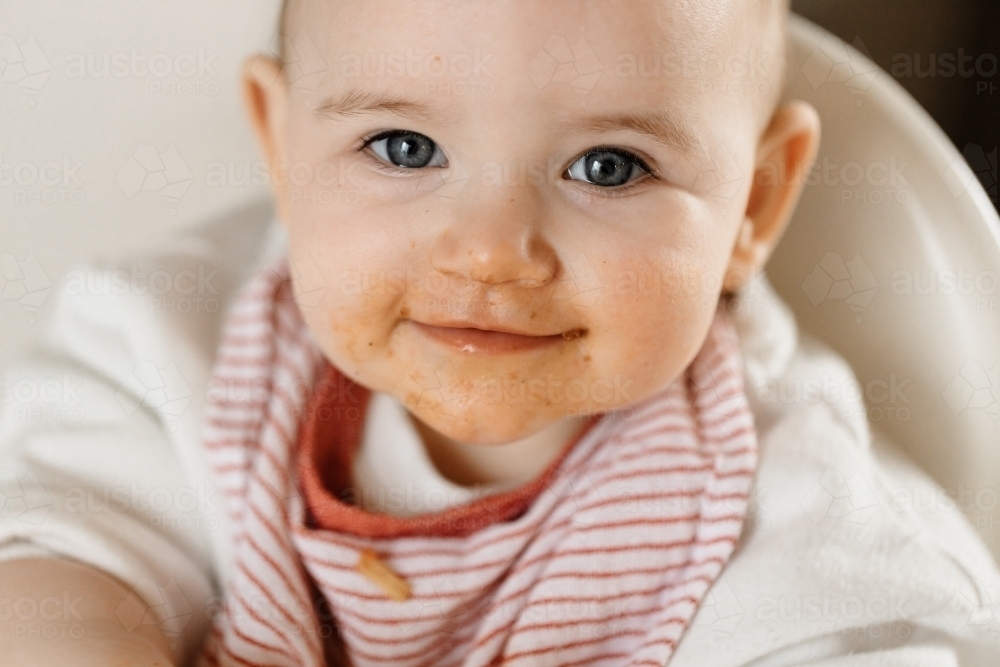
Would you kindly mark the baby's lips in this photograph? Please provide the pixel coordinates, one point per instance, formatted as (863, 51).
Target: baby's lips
(488, 341)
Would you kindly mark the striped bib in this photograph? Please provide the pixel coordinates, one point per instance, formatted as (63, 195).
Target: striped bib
(602, 559)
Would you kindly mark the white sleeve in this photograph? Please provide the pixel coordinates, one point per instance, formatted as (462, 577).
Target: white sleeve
(100, 434)
(88, 467)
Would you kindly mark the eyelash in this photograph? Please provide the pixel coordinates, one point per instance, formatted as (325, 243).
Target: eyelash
(371, 138)
(611, 192)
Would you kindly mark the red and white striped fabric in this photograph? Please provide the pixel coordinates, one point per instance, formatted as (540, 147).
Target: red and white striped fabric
(603, 560)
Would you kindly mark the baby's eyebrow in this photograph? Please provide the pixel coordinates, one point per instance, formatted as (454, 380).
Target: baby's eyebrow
(661, 126)
(356, 101)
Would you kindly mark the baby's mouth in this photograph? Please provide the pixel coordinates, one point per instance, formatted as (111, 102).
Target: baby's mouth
(474, 340)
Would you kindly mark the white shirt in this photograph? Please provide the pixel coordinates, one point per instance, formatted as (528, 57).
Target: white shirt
(392, 471)
(101, 461)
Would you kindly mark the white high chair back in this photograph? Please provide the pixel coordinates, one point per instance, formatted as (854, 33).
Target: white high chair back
(893, 259)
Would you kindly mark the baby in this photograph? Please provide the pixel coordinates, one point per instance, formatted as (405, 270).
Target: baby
(470, 226)
(513, 230)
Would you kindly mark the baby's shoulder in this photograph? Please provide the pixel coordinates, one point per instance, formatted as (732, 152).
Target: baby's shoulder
(167, 300)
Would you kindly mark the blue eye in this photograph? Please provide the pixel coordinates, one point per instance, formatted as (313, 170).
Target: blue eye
(408, 150)
(607, 167)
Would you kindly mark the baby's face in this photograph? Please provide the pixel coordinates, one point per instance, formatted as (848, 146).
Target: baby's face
(507, 215)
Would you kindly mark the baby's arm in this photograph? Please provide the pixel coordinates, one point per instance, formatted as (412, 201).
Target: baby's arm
(100, 464)
(63, 614)
(103, 466)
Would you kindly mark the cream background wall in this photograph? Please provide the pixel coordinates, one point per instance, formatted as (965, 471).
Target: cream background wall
(95, 98)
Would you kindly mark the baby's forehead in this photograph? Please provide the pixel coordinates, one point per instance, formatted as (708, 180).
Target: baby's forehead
(670, 24)
(654, 49)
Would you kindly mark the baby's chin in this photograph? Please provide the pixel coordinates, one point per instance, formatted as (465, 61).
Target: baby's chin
(486, 424)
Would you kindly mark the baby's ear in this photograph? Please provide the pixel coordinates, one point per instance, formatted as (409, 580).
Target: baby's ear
(265, 98)
(785, 153)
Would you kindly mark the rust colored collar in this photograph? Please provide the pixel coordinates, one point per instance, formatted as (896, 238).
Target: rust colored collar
(329, 436)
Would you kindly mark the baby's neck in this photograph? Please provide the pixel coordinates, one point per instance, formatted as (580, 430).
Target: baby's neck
(518, 462)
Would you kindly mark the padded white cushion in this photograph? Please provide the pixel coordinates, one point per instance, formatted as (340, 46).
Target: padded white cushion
(893, 259)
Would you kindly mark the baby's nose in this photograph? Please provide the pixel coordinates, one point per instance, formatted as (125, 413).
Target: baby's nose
(496, 241)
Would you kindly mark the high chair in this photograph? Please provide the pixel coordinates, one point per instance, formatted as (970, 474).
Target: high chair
(893, 259)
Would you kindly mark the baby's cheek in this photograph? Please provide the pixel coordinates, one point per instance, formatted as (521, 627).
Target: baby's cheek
(655, 321)
(345, 313)
(357, 322)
